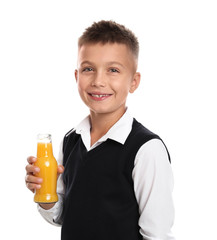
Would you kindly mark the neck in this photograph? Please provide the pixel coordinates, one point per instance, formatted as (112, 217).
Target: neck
(102, 122)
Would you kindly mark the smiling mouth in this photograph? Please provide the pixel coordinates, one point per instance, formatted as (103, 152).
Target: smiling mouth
(99, 97)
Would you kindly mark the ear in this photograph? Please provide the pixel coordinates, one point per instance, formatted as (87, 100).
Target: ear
(76, 75)
(135, 82)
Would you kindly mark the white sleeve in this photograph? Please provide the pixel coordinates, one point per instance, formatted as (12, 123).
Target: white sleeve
(53, 215)
(153, 185)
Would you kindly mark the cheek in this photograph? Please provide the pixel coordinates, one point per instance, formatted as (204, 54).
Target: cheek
(123, 85)
(80, 83)
(81, 88)
(122, 90)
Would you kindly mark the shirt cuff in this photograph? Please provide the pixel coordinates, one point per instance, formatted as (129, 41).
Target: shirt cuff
(53, 215)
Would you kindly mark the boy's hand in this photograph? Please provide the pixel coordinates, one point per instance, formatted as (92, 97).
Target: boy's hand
(33, 182)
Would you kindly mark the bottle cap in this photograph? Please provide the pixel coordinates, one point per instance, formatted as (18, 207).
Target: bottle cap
(45, 138)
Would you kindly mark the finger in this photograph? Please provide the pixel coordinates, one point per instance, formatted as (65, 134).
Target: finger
(33, 183)
(32, 169)
(31, 159)
(33, 186)
(60, 169)
(33, 179)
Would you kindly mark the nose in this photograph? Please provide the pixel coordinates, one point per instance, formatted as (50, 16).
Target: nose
(99, 80)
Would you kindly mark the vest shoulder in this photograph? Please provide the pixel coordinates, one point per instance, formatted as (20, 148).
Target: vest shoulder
(69, 138)
(141, 131)
(70, 132)
(142, 135)
(138, 136)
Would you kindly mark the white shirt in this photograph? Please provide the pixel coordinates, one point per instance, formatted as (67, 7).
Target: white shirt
(152, 177)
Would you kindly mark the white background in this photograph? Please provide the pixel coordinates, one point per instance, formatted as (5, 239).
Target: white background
(176, 99)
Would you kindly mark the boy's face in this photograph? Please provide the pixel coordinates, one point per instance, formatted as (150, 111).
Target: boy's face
(105, 75)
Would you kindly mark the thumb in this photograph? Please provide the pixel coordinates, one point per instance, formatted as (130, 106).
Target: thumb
(60, 170)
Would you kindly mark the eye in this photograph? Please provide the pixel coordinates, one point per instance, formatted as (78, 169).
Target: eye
(114, 70)
(87, 69)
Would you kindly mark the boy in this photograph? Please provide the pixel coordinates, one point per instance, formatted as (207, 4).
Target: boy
(117, 180)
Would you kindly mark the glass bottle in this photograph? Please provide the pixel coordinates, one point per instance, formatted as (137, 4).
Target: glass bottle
(48, 170)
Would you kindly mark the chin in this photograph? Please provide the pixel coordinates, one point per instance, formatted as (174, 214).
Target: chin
(99, 111)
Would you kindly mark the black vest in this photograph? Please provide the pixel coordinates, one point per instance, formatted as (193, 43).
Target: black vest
(100, 202)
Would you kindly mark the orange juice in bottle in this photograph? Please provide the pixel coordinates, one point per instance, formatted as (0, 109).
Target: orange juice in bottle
(48, 170)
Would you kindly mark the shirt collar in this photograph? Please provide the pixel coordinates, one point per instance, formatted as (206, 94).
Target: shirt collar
(118, 132)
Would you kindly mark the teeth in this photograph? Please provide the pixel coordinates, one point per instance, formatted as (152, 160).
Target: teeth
(99, 96)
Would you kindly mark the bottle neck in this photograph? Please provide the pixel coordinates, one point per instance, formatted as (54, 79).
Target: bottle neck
(44, 149)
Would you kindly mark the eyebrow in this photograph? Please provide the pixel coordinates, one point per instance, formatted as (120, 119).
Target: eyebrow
(86, 62)
(108, 63)
(116, 63)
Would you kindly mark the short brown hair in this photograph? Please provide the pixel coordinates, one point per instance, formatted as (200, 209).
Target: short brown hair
(110, 32)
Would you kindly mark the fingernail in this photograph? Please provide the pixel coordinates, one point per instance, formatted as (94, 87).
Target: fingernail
(37, 169)
(40, 180)
(38, 186)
